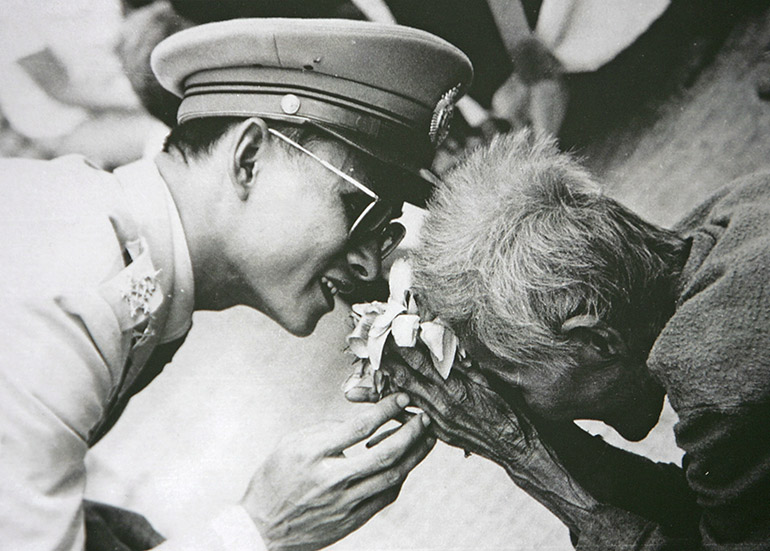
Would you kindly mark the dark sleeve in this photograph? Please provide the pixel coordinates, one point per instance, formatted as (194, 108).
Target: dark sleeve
(712, 359)
(646, 505)
(616, 529)
(111, 528)
(727, 466)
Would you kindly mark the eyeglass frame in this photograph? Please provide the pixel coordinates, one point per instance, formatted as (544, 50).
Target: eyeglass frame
(355, 183)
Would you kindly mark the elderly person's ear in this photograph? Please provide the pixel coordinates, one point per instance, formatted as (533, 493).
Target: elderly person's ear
(596, 340)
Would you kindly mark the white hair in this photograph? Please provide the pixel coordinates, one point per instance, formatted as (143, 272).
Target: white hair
(520, 238)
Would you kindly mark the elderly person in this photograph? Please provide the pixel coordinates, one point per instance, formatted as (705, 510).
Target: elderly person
(573, 307)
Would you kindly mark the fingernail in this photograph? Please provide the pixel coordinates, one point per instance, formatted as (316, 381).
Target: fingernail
(402, 400)
(425, 420)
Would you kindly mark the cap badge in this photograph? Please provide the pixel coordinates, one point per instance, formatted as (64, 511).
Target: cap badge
(442, 116)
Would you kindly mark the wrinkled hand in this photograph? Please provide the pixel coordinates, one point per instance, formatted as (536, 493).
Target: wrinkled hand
(308, 494)
(466, 412)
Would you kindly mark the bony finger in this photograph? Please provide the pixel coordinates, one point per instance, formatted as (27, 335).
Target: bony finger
(380, 437)
(354, 430)
(394, 476)
(359, 394)
(391, 450)
(425, 388)
(421, 363)
(402, 418)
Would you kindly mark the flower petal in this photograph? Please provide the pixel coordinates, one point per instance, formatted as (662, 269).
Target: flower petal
(360, 378)
(364, 315)
(411, 304)
(374, 346)
(399, 316)
(357, 338)
(357, 345)
(368, 308)
(442, 344)
(432, 334)
(400, 281)
(450, 348)
(405, 328)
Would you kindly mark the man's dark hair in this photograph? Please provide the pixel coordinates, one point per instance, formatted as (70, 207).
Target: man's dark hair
(197, 137)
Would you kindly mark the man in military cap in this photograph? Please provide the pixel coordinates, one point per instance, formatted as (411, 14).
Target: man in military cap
(297, 143)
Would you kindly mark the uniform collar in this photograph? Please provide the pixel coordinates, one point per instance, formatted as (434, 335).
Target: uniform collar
(156, 215)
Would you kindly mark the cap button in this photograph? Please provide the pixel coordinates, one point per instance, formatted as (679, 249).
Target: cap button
(290, 104)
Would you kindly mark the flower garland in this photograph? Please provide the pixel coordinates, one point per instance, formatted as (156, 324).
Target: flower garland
(399, 317)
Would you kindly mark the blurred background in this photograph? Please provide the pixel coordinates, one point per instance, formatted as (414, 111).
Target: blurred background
(665, 100)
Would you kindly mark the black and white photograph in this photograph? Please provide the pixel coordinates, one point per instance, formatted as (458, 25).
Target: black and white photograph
(385, 275)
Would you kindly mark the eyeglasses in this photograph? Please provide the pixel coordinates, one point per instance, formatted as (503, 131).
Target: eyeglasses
(375, 220)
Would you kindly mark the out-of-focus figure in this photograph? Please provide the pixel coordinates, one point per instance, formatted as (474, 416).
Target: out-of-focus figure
(147, 22)
(63, 89)
(571, 68)
(520, 49)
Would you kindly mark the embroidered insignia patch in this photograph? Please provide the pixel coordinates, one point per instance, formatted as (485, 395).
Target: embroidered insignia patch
(141, 297)
(442, 116)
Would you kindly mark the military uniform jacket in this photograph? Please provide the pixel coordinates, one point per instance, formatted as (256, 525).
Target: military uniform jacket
(94, 277)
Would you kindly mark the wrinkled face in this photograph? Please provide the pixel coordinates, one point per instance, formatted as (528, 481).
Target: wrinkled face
(290, 248)
(621, 394)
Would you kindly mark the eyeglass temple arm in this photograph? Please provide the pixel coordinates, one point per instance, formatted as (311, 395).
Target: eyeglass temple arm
(325, 164)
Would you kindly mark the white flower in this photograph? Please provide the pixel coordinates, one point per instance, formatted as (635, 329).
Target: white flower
(401, 318)
(364, 315)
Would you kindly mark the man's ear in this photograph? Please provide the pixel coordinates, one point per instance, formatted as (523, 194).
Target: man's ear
(250, 137)
(597, 340)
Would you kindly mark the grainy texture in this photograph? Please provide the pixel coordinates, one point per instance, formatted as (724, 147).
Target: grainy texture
(700, 139)
(188, 443)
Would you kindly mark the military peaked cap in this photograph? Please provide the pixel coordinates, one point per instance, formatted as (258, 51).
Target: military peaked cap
(387, 90)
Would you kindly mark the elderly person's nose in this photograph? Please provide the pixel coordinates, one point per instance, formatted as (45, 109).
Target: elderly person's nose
(365, 260)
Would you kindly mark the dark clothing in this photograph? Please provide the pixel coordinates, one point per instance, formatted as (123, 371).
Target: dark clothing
(205, 11)
(160, 357)
(111, 528)
(713, 358)
(469, 25)
(150, 21)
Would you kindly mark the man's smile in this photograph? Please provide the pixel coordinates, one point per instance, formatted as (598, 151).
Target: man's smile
(331, 286)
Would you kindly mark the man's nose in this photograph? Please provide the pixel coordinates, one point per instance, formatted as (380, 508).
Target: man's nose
(365, 260)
